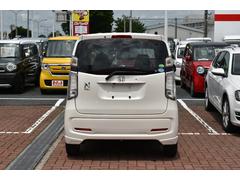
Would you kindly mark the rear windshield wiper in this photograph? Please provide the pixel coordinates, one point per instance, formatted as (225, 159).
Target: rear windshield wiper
(124, 73)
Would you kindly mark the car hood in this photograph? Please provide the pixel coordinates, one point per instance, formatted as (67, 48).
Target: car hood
(57, 60)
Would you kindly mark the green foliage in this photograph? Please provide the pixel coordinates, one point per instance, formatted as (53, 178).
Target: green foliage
(21, 32)
(101, 21)
(137, 26)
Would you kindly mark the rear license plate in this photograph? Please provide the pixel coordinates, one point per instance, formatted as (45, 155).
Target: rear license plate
(57, 83)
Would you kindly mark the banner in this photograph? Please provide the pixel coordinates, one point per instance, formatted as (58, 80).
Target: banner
(80, 16)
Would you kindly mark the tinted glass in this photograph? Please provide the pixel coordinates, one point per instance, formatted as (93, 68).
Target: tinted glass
(180, 52)
(103, 56)
(60, 48)
(236, 64)
(206, 52)
(9, 50)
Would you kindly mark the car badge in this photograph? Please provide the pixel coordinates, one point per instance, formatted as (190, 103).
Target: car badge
(87, 86)
(121, 78)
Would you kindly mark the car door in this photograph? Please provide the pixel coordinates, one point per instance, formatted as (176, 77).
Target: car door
(221, 80)
(214, 79)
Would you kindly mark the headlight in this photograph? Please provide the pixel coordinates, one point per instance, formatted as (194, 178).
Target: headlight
(44, 66)
(11, 67)
(237, 95)
(200, 70)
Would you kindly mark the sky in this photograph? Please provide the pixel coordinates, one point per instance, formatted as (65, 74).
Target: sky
(47, 17)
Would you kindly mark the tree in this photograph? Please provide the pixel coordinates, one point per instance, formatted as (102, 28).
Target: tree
(21, 31)
(65, 26)
(56, 33)
(137, 26)
(100, 21)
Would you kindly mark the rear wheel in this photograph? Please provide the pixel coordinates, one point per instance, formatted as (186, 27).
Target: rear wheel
(192, 93)
(170, 150)
(208, 104)
(226, 117)
(44, 91)
(72, 149)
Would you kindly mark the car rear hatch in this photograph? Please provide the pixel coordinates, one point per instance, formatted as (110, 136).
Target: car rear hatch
(129, 79)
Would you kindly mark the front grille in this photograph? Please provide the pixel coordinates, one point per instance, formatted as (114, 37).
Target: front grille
(49, 82)
(237, 115)
(59, 73)
(2, 69)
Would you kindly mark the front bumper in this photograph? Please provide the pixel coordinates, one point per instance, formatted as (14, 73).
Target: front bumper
(46, 80)
(8, 79)
(235, 112)
(121, 127)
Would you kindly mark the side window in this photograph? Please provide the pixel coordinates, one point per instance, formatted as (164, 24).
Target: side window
(218, 60)
(225, 62)
(186, 51)
(34, 50)
(190, 52)
(26, 51)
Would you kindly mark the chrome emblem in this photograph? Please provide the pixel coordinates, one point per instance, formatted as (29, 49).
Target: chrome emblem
(87, 86)
(121, 78)
(63, 68)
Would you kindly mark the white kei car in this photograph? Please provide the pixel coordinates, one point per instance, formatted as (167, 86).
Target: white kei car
(178, 55)
(121, 87)
(222, 88)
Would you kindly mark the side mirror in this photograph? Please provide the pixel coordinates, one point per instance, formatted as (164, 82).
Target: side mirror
(219, 72)
(74, 63)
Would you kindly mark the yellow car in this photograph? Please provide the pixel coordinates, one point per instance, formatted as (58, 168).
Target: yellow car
(56, 63)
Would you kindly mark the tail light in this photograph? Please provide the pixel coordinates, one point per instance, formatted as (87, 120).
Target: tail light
(72, 85)
(170, 86)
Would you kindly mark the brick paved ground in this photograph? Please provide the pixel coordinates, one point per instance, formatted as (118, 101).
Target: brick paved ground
(19, 118)
(195, 151)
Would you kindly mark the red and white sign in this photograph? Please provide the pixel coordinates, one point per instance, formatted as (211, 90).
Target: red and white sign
(227, 22)
(57, 83)
(80, 28)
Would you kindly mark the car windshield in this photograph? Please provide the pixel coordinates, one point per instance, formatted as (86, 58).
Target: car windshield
(206, 52)
(61, 48)
(104, 56)
(236, 64)
(8, 50)
(180, 52)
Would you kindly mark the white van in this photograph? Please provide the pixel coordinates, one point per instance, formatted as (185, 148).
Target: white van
(121, 87)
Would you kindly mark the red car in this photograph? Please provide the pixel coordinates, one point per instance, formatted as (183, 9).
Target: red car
(197, 59)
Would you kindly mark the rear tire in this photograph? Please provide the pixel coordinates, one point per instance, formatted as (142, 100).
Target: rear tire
(44, 91)
(226, 117)
(192, 93)
(208, 104)
(170, 150)
(72, 149)
(19, 85)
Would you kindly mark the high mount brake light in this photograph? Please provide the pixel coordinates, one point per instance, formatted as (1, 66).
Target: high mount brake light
(121, 36)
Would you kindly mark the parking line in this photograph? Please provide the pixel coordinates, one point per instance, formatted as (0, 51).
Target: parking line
(198, 118)
(191, 99)
(43, 117)
(31, 99)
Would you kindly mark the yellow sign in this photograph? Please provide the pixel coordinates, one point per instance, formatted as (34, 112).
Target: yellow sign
(80, 16)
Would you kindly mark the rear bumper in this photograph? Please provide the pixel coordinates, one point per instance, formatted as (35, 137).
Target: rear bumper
(46, 79)
(121, 127)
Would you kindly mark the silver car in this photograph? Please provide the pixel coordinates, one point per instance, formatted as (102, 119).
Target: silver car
(222, 88)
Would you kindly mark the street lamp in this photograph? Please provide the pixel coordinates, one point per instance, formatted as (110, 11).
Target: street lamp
(16, 13)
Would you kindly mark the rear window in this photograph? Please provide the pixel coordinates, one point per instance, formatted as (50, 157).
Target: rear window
(103, 56)
(63, 48)
(206, 52)
(180, 52)
(236, 64)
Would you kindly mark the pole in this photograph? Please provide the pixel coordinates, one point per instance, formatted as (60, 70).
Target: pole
(27, 23)
(70, 23)
(205, 23)
(130, 21)
(124, 24)
(166, 26)
(32, 23)
(1, 25)
(54, 16)
(175, 28)
(16, 31)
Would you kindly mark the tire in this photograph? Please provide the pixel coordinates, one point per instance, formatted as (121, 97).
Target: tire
(192, 93)
(208, 104)
(44, 91)
(19, 85)
(72, 149)
(226, 117)
(170, 150)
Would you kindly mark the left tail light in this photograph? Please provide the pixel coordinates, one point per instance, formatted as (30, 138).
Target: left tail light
(72, 85)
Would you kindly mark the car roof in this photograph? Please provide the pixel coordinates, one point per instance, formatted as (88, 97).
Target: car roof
(17, 41)
(134, 35)
(59, 38)
(200, 44)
